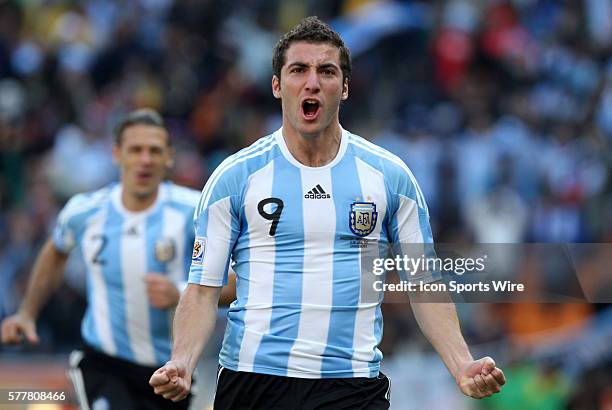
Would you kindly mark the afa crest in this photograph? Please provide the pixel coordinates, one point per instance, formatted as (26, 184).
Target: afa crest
(165, 250)
(363, 218)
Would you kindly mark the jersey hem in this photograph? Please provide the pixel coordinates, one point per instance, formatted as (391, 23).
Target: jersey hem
(369, 372)
(207, 282)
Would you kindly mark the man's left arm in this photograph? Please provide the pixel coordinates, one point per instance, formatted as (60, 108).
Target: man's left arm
(439, 323)
(410, 232)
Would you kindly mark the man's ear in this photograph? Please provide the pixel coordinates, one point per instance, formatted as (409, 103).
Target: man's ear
(345, 89)
(276, 87)
(171, 156)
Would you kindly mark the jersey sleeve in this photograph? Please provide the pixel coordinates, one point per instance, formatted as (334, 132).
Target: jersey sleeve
(409, 228)
(67, 225)
(217, 224)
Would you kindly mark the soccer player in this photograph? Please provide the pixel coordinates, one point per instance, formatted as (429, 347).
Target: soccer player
(292, 211)
(136, 238)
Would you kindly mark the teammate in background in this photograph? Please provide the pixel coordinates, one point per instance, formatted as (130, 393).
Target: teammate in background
(136, 238)
(292, 211)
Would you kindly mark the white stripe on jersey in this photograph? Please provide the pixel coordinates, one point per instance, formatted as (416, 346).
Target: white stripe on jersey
(408, 216)
(134, 267)
(261, 269)
(319, 216)
(99, 301)
(219, 243)
(376, 150)
(173, 221)
(411, 243)
(372, 184)
(260, 147)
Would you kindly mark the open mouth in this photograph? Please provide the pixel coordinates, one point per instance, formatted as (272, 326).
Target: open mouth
(310, 109)
(144, 176)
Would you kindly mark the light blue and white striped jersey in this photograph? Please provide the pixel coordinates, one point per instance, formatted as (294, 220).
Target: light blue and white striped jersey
(119, 248)
(293, 232)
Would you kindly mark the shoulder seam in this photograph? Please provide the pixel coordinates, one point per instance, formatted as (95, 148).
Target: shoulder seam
(380, 152)
(258, 149)
(183, 195)
(87, 205)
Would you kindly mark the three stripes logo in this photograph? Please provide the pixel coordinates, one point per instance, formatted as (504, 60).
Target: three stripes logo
(317, 193)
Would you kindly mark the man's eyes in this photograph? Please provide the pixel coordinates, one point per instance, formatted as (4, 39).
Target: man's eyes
(326, 71)
(138, 150)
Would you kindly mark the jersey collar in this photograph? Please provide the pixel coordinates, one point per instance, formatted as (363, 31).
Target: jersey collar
(118, 204)
(287, 154)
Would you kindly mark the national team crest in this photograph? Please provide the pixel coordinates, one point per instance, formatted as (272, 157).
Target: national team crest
(164, 250)
(199, 247)
(363, 218)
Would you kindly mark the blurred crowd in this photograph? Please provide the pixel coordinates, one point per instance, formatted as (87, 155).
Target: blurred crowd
(502, 109)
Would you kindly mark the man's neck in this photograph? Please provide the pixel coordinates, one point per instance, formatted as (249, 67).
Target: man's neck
(137, 203)
(314, 150)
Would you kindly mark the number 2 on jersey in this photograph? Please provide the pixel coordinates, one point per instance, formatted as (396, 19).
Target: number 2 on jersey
(103, 240)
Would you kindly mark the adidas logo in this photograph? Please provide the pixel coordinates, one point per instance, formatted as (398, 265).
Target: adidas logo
(317, 193)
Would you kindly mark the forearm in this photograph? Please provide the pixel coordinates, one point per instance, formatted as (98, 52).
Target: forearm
(228, 293)
(46, 276)
(194, 322)
(439, 323)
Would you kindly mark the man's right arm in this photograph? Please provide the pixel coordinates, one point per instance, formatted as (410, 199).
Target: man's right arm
(46, 276)
(194, 322)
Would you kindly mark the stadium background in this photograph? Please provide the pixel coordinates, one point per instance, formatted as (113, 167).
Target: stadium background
(503, 110)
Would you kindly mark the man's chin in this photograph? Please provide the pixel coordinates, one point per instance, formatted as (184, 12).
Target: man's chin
(143, 192)
(311, 130)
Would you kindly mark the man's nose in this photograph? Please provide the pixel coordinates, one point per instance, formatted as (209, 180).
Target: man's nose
(312, 81)
(146, 157)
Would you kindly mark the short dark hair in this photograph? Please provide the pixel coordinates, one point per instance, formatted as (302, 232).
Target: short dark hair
(311, 30)
(142, 116)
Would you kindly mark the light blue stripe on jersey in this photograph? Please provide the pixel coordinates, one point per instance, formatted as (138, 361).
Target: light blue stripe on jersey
(88, 325)
(75, 215)
(346, 290)
(425, 227)
(373, 155)
(374, 365)
(395, 173)
(159, 322)
(234, 333)
(116, 296)
(274, 350)
(236, 205)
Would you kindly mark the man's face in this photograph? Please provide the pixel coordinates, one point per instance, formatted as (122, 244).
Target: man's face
(310, 87)
(144, 156)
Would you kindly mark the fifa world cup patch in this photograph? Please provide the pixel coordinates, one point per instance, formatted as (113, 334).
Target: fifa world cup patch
(199, 248)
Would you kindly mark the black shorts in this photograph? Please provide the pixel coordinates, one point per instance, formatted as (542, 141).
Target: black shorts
(246, 391)
(109, 383)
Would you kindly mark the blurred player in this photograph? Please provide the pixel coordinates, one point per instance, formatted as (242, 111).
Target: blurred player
(291, 211)
(136, 238)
